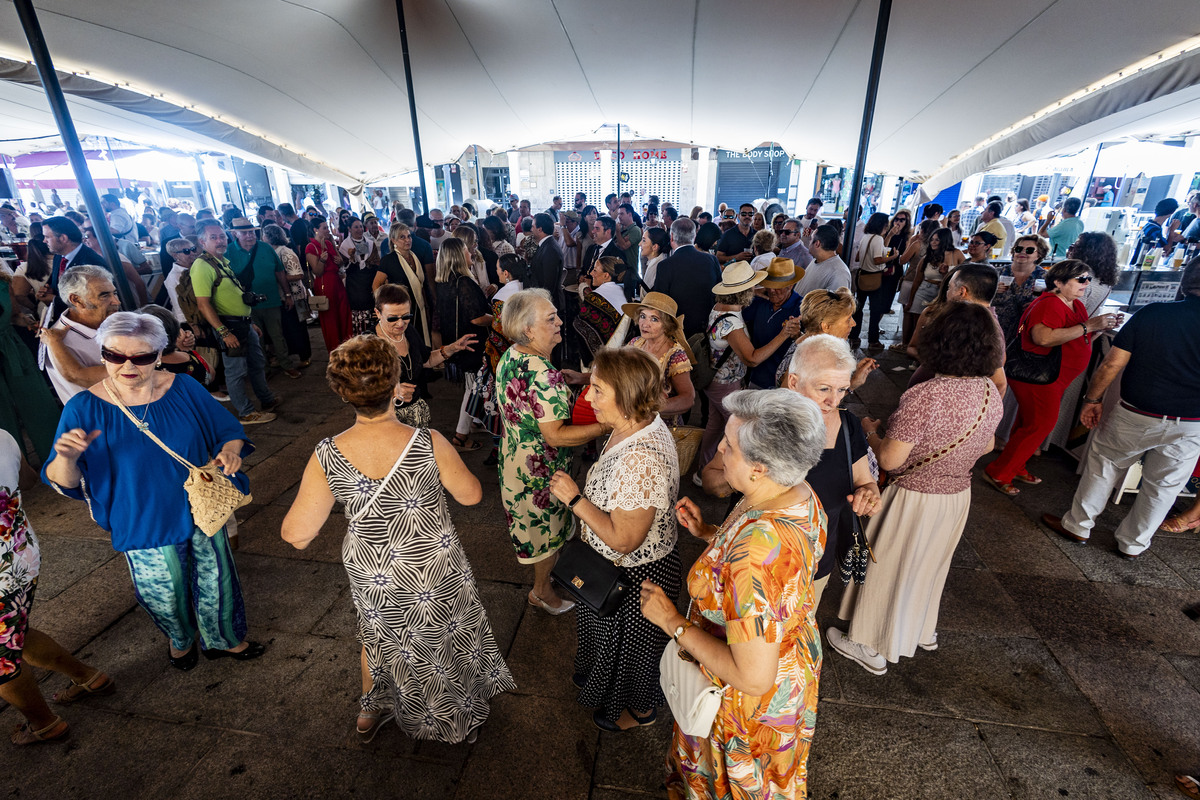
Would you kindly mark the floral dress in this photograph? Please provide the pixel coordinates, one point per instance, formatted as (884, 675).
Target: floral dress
(20, 561)
(531, 391)
(756, 581)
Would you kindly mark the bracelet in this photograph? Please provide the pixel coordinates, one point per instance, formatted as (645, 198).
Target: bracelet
(574, 500)
(222, 331)
(442, 350)
(1087, 401)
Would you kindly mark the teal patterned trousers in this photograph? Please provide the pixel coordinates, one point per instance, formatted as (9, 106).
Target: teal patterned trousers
(191, 588)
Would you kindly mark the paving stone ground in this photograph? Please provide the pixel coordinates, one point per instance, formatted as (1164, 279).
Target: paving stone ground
(1062, 670)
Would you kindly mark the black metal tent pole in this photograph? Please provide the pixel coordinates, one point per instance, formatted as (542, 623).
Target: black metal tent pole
(864, 134)
(412, 105)
(70, 140)
(618, 162)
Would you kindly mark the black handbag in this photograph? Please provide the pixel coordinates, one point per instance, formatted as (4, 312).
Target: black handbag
(590, 578)
(1026, 367)
(853, 565)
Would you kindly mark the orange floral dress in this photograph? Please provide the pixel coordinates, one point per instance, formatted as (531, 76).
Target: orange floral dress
(756, 581)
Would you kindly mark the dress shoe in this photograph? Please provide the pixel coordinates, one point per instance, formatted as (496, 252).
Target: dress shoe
(1055, 524)
(253, 650)
(1127, 556)
(185, 661)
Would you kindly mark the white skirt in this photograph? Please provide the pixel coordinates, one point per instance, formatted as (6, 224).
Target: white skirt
(913, 538)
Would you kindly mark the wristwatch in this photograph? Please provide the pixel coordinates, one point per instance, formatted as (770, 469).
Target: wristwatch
(1087, 401)
(679, 631)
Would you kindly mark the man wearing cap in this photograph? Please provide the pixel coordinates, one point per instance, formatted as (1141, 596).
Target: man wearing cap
(375, 234)
(735, 242)
(827, 270)
(1156, 421)
(688, 275)
(766, 317)
(791, 242)
(259, 270)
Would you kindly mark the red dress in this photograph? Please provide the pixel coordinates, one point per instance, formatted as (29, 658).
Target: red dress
(335, 323)
(1037, 406)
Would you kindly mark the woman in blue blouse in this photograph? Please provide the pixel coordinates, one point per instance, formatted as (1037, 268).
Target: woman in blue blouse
(185, 580)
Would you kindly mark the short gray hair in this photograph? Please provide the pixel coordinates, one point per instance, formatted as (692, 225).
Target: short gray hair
(134, 325)
(683, 231)
(177, 244)
(781, 430)
(821, 351)
(76, 279)
(517, 316)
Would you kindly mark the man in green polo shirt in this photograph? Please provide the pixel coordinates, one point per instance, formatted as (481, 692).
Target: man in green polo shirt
(219, 296)
(1066, 231)
(259, 269)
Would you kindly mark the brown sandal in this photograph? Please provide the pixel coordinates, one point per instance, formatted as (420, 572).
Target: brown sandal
(1003, 488)
(464, 444)
(23, 734)
(1177, 524)
(80, 691)
(1188, 785)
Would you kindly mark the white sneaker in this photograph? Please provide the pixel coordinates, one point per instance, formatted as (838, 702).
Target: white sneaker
(931, 645)
(865, 657)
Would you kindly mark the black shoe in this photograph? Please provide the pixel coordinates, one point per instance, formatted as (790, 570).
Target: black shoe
(493, 458)
(186, 661)
(253, 650)
(579, 679)
(605, 724)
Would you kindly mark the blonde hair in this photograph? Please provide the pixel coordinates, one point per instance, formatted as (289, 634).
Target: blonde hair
(821, 306)
(452, 259)
(764, 241)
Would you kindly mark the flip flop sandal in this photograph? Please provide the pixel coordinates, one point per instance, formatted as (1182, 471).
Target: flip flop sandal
(378, 720)
(464, 445)
(1003, 488)
(89, 688)
(23, 734)
(1176, 524)
(1025, 477)
(1188, 785)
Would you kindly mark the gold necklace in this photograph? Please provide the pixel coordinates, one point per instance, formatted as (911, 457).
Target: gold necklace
(738, 512)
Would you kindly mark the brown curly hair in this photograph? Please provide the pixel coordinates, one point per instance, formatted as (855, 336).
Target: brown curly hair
(363, 372)
(635, 377)
(961, 341)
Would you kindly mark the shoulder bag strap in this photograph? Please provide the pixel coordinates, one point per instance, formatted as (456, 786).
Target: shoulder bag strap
(728, 347)
(849, 467)
(247, 276)
(945, 451)
(144, 429)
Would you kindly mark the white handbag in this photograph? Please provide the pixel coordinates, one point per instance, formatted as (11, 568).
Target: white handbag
(694, 699)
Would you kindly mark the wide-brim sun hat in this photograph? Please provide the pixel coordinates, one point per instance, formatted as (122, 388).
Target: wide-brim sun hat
(242, 224)
(738, 277)
(782, 273)
(663, 304)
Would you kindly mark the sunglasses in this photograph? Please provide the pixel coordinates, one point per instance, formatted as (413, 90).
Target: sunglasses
(746, 214)
(1083, 278)
(1026, 250)
(140, 360)
(187, 251)
(394, 318)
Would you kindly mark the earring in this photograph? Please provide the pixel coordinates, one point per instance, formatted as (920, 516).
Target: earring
(753, 477)
(158, 365)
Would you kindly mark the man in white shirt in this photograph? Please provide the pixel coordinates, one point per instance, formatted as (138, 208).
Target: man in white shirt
(827, 270)
(73, 363)
(810, 220)
(438, 233)
(120, 223)
(184, 253)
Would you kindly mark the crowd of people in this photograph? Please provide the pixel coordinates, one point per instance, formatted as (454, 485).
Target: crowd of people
(585, 341)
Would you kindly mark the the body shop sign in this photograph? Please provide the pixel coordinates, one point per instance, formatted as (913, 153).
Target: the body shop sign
(760, 154)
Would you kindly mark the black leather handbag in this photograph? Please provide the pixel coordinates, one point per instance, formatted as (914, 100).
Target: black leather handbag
(590, 578)
(1026, 367)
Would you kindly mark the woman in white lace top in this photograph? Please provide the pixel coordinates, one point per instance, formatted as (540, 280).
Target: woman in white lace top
(626, 514)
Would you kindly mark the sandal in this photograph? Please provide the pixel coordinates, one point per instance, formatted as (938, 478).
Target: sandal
(378, 720)
(464, 445)
(1177, 524)
(23, 734)
(1026, 477)
(538, 602)
(1004, 488)
(1188, 785)
(79, 691)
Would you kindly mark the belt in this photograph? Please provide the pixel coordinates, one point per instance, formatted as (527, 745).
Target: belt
(1138, 411)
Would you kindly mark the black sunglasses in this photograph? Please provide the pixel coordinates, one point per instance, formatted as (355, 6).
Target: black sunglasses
(1026, 250)
(187, 251)
(140, 360)
(397, 317)
(1083, 278)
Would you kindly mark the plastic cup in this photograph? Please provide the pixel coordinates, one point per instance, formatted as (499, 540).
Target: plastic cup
(1039, 285)
(1006, 280)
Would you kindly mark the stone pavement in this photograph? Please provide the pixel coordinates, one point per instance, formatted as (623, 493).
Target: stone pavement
(1062, 670)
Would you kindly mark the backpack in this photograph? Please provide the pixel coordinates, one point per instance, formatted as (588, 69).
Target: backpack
(703, 371)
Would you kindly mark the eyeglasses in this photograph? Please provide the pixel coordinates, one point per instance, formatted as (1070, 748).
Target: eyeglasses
(394, 318)
(1083, 278)
(1026, 250)
(976, 243)
(140, 360)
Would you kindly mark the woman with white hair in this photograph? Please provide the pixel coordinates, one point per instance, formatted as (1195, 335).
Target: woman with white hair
(751, 624)
(186, 581)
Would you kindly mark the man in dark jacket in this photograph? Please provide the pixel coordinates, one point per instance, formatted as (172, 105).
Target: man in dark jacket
(688, 276)
(545, 271)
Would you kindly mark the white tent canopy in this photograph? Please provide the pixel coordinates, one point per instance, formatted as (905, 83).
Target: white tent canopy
(319, 85)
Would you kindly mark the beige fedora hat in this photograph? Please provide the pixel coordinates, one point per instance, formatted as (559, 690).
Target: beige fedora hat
(738, 277)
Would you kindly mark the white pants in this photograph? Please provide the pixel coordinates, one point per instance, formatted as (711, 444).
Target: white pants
(1170, 447)
(464, 419)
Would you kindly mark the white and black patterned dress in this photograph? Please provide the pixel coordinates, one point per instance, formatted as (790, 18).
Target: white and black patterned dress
(429, 646)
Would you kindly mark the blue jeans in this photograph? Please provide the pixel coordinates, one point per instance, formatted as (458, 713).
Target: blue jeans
(251, 364)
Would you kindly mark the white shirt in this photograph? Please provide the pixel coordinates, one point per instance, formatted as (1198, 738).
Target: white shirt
(830, 274)
(82, 343)
(171, 284)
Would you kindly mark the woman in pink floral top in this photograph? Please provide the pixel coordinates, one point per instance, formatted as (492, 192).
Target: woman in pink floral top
(538, 439)
(933, 440)
(20, 561)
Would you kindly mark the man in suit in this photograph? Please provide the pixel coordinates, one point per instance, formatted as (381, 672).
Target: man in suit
(603, 244)
(545, 271)
(688, 276)
(65, 241)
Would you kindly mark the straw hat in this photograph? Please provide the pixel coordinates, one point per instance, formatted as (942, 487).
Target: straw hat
(781, 273)
(242, 224)
(665, 305)
(738, 277)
